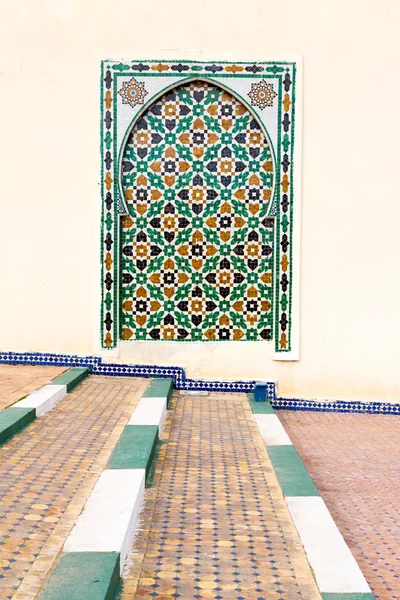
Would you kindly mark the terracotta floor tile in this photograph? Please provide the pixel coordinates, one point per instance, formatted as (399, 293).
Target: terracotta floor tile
(17, 381)
(354, 460)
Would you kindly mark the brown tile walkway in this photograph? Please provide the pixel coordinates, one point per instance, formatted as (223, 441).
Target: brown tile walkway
(215, 524)
(47, 472)
(355, 463)
(17, 381)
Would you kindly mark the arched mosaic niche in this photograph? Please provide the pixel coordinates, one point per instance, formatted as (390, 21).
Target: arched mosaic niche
(267, 90)
(197, 246)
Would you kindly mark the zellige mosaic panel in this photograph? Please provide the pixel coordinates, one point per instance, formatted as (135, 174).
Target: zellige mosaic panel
(129, 90)
(197, 244)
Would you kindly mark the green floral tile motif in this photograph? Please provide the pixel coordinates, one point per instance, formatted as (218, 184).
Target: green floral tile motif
(197, 245)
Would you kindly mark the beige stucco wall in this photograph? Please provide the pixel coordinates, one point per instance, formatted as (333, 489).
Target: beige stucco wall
(50, 52)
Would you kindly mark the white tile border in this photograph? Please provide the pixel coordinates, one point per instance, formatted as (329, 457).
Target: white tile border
(44, 399)
(272, 430)
(108, 520)
(150, 411)
(335, 568)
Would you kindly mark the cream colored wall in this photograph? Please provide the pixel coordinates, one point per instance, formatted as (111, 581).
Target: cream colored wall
(50, 52)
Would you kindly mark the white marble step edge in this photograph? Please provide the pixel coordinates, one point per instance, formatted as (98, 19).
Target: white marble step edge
(44, 399)
(335, 568)
(150, 411)
(108, 520)
(272, 430)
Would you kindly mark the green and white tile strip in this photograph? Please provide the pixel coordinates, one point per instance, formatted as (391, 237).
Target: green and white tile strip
(14, 418)
(95, 551)
(336, 572)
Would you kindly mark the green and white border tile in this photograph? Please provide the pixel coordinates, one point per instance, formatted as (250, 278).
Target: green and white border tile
(95, 550)
(336, 571)
(283, 127)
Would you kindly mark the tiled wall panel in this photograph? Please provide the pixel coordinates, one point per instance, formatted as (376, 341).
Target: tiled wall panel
(258, 101)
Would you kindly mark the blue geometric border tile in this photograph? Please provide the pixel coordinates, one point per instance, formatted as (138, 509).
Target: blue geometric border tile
(47, 358)
(342, 406)
(97, 367)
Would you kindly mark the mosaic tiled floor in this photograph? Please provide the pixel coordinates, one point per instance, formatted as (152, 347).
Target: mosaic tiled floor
(44, 473)
(18, 381)
(215, 524)
(355, 463)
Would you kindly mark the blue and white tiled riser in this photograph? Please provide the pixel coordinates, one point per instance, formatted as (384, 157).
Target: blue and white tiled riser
(46, 358)
(97, 367)
(121, 370)
(336, 406)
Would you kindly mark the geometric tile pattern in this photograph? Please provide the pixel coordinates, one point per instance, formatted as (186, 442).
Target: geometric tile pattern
(269, 88)
(354, 461)
(197, 243)
(132, 92)
(43, 467)
(262, 94)
(341, 406)
(215, 525)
